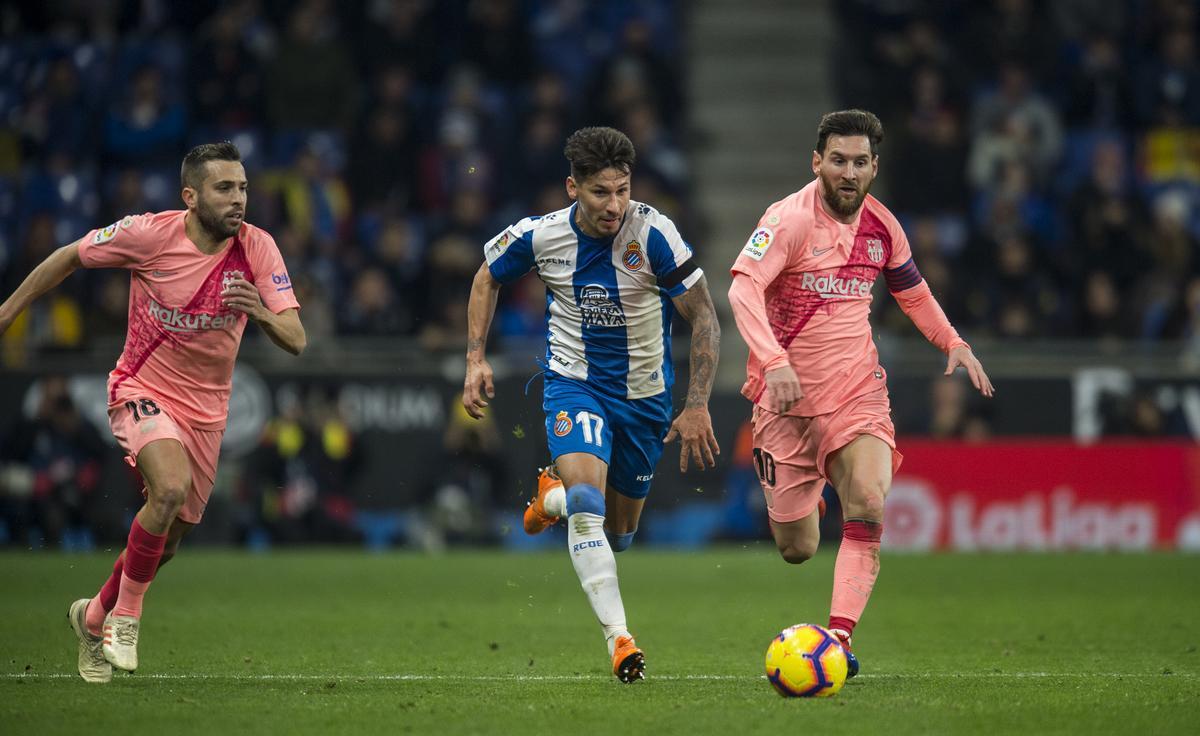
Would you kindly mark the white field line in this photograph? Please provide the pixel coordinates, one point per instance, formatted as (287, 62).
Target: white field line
(413, 677)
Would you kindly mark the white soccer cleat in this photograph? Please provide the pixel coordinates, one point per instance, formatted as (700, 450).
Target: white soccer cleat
(120, 642)
(93, 667)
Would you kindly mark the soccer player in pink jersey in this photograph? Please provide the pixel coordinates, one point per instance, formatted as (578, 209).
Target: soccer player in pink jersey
(196, 277)
(801, 296)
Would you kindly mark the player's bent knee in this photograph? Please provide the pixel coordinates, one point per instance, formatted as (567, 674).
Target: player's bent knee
(867, 501)
(585, 498)
(170, 496)
(620, 542)
(796, 553)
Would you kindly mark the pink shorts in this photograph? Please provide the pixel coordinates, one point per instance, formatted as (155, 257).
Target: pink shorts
(138, 419)
(790, 452)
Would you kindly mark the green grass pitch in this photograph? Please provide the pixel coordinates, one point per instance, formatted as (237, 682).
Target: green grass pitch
(492, 643)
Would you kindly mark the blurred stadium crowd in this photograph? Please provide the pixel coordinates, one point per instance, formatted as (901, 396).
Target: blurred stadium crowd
(1044, 157)
(385, 140)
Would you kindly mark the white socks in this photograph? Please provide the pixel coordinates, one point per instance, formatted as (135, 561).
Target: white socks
(597, 570)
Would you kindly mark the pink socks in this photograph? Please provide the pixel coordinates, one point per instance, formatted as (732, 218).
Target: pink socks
(141, 561)
(854, 572)
(106, 599)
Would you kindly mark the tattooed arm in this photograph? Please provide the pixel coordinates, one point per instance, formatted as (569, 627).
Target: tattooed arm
(478, 387)
(693, 426)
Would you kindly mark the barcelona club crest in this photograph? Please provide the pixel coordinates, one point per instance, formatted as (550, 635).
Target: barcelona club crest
(562, 424)
(633, 258)
(875, 249)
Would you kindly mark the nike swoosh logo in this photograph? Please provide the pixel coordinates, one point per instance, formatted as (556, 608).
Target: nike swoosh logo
(821, 251)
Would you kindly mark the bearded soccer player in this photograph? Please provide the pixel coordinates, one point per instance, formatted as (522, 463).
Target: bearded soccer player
(801, 296)
(615, 272)
(196, 277)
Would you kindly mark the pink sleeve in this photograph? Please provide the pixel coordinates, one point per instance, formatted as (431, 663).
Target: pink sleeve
(925, 312)
(271, 275)
(768, 251)
(127, 243)
(750, 314)
(901, 251)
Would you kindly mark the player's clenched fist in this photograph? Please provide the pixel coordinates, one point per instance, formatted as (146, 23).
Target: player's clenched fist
(783, 389)
(477, 386)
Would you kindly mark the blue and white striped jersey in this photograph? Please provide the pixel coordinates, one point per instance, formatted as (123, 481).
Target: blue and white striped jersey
(608, 306)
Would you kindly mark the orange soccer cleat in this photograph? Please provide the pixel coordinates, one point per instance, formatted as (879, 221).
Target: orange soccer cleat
(536, 518)
(629, 664)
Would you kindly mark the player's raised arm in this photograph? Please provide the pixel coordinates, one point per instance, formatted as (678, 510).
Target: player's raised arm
(693, 426)
(478, 386)
(48, 274)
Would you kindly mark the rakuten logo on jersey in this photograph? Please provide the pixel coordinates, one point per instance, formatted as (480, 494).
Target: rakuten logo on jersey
(835, 287)
(178, 321)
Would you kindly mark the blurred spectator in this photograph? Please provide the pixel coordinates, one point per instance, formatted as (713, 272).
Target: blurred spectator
(299, 479)
(523, 315)
(55, 116)
(468, 484)
(955, 413)
(51, 467)
(373, 308)
(54, 322)
(383, 155)
(1169, 82)
(403, 33)
(496, 40)
(226, 76)
(1013, 124)
(313, 197)
(311, 82)
(1099, 89)
(147, 125)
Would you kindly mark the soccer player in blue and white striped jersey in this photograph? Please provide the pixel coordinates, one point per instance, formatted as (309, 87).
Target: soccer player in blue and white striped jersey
(616, 271)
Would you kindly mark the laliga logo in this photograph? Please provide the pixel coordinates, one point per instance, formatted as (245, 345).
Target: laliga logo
(562, 424)
(633, 256)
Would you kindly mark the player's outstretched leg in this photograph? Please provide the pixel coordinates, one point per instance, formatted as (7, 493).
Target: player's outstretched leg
(120, 631)
(549, 503)
(854, 575)
(597, 570)
(168, 474)
(93, 667)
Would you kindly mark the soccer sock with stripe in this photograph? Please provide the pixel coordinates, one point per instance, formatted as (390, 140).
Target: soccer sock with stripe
(854, 572)
(142, 554)
(593, 558)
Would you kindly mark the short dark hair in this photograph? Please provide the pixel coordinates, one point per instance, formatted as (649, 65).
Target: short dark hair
(191, 174)
(592, 150)
(850, 122)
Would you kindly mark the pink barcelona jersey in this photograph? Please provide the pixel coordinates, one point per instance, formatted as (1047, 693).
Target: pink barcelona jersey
(182, 341)
(816, 275)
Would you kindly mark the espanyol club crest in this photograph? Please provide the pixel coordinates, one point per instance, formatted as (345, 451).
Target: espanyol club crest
(562, 424)
(633, 259)
(875, 249)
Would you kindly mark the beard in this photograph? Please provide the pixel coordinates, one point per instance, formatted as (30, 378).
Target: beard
(213, 223)
(838, 204)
